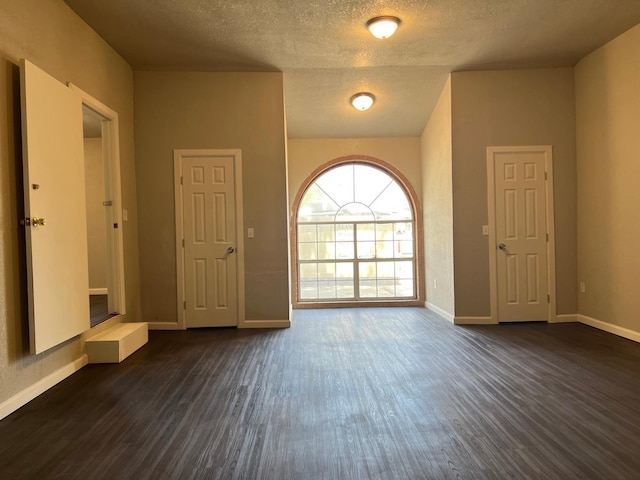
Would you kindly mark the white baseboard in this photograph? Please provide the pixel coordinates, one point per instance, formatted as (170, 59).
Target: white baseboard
(265, 324)
(164, 326)
(609, 327)
(474, 321)
(98, 291)
(438, 311)
(25, 396)
(566, 318)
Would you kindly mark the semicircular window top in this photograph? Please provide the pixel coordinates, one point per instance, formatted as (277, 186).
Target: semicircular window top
(355, 242)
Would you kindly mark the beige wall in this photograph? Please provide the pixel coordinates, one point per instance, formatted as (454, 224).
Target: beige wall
(515, 107)
(305, 155)
(219, 111)
(437, 205)
(96, 231)
(54, 38)
(608, 150)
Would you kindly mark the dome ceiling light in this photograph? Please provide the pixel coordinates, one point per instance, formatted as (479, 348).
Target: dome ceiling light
(362, 100)
(383, 27)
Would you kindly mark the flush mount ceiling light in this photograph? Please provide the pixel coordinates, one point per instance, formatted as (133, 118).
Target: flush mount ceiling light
(362, 100)
(383, 27)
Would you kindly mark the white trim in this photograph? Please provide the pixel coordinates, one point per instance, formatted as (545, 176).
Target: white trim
(610, 328)
(438, 311)
(551, 244)
(565, 318)
(474, 321)
(178, 155)
(98, 291)
(165, 326)
(265, 324)
(25, 396)
(111, 155)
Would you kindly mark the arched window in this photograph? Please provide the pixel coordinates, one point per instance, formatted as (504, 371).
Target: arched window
(355, 237)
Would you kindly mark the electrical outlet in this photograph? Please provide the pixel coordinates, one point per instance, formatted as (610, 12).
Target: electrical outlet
(583, 287)
(250, 232)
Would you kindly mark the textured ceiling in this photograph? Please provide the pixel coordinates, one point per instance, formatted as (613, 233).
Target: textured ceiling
(326, 53)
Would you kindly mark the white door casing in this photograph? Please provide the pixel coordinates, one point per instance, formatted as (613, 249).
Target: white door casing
(521, 233)
(113, 194)
(209, 238)
(54, 188)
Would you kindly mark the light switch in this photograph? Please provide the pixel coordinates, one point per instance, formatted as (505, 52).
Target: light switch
(485, 229)
(125, 215)
(250, 232)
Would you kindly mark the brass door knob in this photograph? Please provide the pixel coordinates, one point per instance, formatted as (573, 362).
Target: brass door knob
(36, 221)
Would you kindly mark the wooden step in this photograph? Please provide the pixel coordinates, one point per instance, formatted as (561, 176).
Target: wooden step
(117, 343)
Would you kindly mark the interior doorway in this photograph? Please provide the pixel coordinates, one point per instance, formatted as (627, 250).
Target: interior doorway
(104, 211)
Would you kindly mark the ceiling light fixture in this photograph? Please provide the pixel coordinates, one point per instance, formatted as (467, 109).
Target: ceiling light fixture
(383, 27)
(362, 100)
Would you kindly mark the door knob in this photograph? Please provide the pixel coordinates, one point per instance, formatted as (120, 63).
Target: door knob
(502, 247)
(36, 221)
(230, 250)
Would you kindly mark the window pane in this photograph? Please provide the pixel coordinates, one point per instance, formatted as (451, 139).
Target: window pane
(316, 206)
(344, 289)
(326, 271)
(404, 288)
(366, 231)
(338, 184)
(326, 289)
(404, 270)
(355, 212)
(392, 204)
(307, 233)
(384, 231)
(308, 251)
(386, 288)
(405, 249)
(366, 250)
(344, 250)
(367, 270)
(326, 233)
(308, 290)
(326, 251)
(384, 249)
(344, 271)
(386, 270)
(367, 289)
(370, 181)
(344, 232)
(308, 271)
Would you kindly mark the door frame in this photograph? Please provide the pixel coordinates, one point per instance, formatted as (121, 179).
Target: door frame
(550, 224)
(111, 159)
(178, 155)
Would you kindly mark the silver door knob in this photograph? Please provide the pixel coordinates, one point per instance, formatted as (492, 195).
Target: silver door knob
(502, 247)
(230, 250)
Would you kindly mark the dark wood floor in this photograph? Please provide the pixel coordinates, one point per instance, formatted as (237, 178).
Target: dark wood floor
(343, 394)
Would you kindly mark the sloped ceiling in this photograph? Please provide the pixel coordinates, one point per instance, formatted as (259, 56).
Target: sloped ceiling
(326, 53)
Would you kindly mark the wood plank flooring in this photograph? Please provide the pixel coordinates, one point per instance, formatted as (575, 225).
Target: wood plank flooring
(392, 393)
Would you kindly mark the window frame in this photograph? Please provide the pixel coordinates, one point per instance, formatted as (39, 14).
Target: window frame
(417, 258)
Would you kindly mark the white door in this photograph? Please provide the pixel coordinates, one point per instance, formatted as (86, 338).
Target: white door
(209, 228)
(521, 233)
(54, 188)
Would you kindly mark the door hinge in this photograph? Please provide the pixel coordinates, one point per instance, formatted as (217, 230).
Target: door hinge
(181, 180)
(547, 237)
(546, 176)
(115, 225)
(184, 305)
(548, 298)
(183, 243)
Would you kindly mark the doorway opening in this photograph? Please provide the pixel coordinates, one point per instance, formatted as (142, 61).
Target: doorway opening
(104, 217)
(356, 238)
